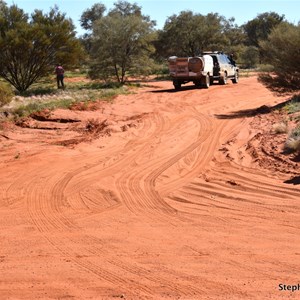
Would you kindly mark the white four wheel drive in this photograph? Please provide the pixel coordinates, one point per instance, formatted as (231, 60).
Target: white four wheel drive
(202, 70)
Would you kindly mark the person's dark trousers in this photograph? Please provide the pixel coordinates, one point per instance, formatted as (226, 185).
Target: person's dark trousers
(60, 81)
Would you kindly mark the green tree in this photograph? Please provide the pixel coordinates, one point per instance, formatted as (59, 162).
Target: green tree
(250, 57)
(89, 16)
(236, 38)
(125, 8)
(122, 42)
(234, 33)
(2, 4)
(282, 52)
(260, 27)
(30, 47)
(188, 34)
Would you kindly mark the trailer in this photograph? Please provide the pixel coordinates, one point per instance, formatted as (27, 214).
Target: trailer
(198, 69)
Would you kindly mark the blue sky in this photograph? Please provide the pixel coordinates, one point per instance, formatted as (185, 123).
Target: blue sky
(160, 10)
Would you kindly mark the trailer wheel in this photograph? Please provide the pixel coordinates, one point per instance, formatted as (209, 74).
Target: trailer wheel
(198, 83)
(177, 85)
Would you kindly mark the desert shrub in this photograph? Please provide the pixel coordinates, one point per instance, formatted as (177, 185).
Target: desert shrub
(293, 141)
(161, 71)
(265, 68)
(292, 145)
(281, 50)
(295, 133)
(280, 128)
(250, 57)
(293, 105)
(6, 94)
(68, 98)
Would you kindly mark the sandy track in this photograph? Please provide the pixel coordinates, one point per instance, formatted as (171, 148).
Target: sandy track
(173, 207)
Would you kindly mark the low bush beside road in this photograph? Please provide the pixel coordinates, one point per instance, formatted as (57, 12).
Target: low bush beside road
(44, 96)
(292, 143)
(6, 94)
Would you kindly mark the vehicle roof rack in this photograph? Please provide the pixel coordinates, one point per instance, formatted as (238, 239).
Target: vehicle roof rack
(212, 52)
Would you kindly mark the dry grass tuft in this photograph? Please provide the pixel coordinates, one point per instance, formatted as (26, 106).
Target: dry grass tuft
(293, 141)
(279, 128)
(292, 145)
(95, 126)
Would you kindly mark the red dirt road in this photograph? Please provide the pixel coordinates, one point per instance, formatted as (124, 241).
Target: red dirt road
(173, 199)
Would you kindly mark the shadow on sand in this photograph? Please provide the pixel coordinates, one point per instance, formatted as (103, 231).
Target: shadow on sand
(294, 180)
(182, 89)
(247, 113)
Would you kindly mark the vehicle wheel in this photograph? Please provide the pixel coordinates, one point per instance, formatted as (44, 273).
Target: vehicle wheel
(198, 83)
(177, 85)
(206, 82)
(223, 79)
(236, 77)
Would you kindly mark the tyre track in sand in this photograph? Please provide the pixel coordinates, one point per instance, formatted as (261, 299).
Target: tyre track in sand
(164, 213)
(48, 214)
(49, 217)
(53, 216)
(233, 196)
